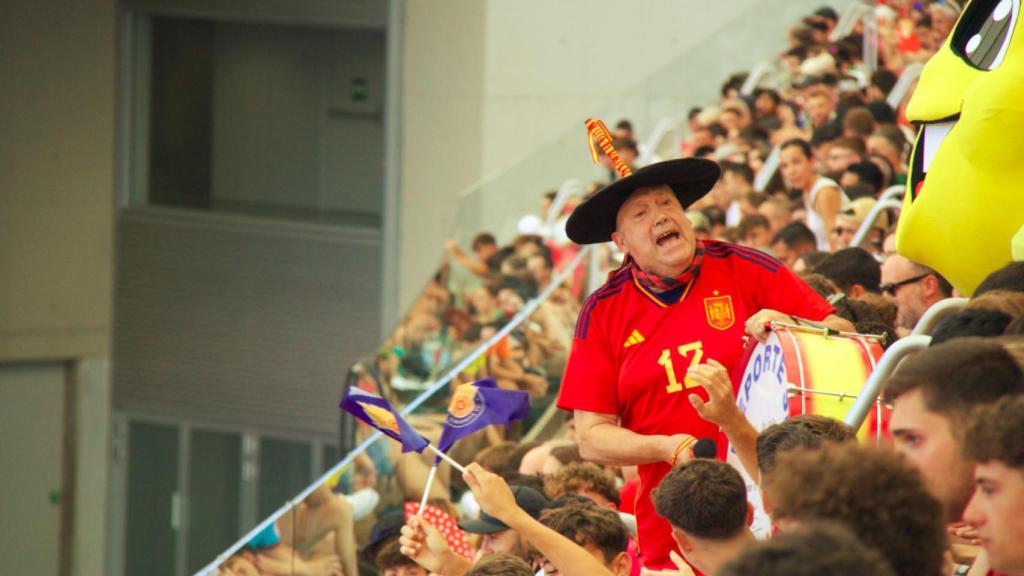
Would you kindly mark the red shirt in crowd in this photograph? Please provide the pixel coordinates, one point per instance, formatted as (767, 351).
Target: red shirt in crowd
(631, 352)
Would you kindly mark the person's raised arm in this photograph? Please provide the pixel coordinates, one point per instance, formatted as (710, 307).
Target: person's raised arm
(827, 206)
(721, 409)
(603, 441)
(474, 266)
(495, 498)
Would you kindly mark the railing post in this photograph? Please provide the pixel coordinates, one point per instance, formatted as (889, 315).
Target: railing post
(886, 365)
(871, 218)
(937, 312)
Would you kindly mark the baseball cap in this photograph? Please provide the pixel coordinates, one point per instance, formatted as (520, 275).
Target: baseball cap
(528, 499)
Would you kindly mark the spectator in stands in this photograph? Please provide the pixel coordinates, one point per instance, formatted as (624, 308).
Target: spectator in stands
(427, 546)
(629, 152)
(849, 221)
(391, 562)
(777, 211)
(882, 82)
(565, 555)
(853, 270)
(705, 502)
(993, 439)
(821, 109)
(1005, 301)
(766, 104)
(586, 479)
(806, 432)
(500, 565)
(542, 269)
(964, 323)
(842, 153)
(858, 123)
(793, 241)
(560, 457)
(755, 231)
(496, 536)
(738, 183)
(485, 247)
(853, 484)
(865, 173)
(932, 393)
(822, 197)
(889, 143)
(913, 288)
(1009, 277)
(597, 530)
(623, 129)
(322, 516)
(814, 549)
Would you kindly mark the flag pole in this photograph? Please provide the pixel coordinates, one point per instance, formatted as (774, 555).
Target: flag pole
(426, 491)
(447, 459)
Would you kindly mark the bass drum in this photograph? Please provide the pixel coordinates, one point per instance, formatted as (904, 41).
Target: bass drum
(800, 371)
(797, 371)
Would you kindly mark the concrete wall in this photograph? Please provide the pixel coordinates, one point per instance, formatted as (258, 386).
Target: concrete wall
(56, 265)
(442, 142)
(56, 178)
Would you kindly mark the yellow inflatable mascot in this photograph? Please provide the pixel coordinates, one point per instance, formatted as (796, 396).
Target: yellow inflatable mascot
(963, 213)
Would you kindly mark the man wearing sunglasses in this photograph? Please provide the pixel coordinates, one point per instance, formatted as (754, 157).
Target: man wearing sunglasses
(913, 288)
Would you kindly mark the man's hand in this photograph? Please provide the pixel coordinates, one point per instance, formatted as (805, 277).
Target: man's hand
(964, 531)
(682, 568)
(756, 324)
(425, 545)
(720, 408)
(491, 493)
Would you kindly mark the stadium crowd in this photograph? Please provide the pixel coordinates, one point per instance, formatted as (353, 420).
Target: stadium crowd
(943, 495)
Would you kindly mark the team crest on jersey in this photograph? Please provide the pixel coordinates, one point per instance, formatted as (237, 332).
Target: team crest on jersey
(719, 312)
(466, 406)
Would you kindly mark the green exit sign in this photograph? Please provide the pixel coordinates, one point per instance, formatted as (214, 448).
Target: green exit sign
(360, 89)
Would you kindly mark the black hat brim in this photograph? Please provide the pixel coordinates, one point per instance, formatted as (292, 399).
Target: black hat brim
(593, 220)
(485, 524)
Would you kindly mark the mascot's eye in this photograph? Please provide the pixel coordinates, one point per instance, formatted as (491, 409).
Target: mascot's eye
(983, 33)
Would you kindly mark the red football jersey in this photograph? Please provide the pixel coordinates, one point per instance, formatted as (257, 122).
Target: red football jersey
(631, 352)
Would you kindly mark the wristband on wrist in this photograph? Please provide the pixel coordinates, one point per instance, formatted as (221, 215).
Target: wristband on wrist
(688, 441)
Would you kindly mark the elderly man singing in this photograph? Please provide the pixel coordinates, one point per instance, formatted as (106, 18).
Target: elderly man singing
(676, 304)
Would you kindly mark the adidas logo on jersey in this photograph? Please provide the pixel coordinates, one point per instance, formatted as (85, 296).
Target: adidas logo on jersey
(634, 338)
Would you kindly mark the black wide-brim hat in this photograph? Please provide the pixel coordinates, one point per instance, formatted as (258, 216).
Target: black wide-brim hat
(593, 220)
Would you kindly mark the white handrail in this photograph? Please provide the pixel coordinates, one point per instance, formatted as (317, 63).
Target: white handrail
(665, 127)
(565, 191)
(937, 312)
(910, 73)
(764, 175)
(872, 217)
(848, 20)
(762, 69)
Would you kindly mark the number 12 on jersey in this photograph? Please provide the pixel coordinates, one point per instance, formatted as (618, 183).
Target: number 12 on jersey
(693, 350)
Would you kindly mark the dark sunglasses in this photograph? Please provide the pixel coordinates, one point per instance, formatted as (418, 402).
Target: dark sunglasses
(891, 287)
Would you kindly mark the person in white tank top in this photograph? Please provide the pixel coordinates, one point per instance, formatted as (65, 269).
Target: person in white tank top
(823, 198)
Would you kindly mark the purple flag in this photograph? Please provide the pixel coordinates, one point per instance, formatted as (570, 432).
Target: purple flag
(480, 404)
(377, 412)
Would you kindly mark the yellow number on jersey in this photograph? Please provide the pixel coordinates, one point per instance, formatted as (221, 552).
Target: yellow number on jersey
(696, 352)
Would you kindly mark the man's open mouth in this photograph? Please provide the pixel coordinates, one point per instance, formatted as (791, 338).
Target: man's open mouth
(667, 237)
(929, 139)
